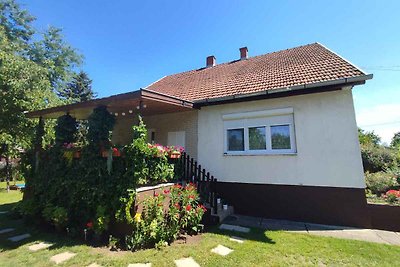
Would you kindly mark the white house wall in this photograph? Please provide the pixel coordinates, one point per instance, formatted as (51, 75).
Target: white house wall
(328, 152)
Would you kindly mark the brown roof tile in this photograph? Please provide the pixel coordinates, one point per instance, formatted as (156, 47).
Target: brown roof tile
(296, 66)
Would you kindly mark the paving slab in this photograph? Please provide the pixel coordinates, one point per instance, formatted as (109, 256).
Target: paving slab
(236, 228)
(222, 250)
(186, 262)
(62, 257)
(94, 265)
(237, 239)
(6, 230)
(39, 246)
(19, 237)
(140, 264)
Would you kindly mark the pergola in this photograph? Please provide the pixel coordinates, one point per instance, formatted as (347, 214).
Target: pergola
(146, 101)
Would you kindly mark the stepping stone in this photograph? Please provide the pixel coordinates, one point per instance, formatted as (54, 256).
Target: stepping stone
(94, 265)
(19, 237)
(59, 258)
(237, 239)
(3, 212)
(234, 228)
(140, 264)
(6, 230)
(39, 246)
(221, 250)
(186, 262)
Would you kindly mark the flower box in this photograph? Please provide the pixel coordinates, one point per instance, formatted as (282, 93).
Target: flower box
(175, 155)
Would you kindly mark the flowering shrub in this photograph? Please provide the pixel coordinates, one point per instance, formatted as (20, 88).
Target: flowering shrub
(147, 164)
(392, 196)
(157, 225)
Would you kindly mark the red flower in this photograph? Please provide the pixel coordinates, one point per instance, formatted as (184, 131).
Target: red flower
(191, 197)
(166, 191)
(177, 205)
(203, 208)
(188, 207)
(115, 149)
(156, 194)
(178, 186)
(89, 225)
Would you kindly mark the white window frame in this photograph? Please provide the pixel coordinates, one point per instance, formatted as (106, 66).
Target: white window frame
(264, 118)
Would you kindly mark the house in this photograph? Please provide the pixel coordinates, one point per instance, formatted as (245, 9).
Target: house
(277, 130)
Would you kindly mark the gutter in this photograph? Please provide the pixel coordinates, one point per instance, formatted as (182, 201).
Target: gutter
(342, 81)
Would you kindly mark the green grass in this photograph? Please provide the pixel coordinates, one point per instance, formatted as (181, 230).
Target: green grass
(262, 248)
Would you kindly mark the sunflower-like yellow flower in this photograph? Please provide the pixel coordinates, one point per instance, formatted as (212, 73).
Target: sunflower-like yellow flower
(138, 217)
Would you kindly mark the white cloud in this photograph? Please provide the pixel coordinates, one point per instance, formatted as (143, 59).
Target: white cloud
(383, 119)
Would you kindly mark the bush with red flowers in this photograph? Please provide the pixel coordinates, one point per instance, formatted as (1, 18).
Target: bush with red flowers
(158, 226)
(392, 196)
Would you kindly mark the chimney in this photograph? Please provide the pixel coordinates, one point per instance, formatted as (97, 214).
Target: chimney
(211, 61)
(243, 52)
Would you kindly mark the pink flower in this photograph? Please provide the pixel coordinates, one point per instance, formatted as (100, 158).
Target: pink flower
(188, 207)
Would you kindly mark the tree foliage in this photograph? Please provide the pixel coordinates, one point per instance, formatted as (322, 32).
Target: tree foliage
(79, 89)
(368, 138)
(33, 68)
(395, 143)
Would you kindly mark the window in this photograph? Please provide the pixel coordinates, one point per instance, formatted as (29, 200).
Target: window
(257, 140)
(280, 137)
(259, 132)
(236, 140)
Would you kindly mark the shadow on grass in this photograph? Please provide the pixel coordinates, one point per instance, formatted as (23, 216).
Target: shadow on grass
(255, 234)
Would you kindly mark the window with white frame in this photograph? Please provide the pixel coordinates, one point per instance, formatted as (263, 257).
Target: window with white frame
(259, 132)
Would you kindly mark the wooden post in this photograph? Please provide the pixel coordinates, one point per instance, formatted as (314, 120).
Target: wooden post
(215, 196)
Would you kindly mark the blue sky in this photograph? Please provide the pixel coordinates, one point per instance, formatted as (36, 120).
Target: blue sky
(130, 44)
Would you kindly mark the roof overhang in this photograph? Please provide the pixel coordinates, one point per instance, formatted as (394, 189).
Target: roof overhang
(150, 103)
(287, 91)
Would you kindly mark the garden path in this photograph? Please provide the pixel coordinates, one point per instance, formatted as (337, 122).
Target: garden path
(370, 235)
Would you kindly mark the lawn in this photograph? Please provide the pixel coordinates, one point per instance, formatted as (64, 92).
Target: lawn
(262, 248)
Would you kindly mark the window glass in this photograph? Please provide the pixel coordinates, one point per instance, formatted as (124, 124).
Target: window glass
(236, 140)
(257, 139)
(280, 137)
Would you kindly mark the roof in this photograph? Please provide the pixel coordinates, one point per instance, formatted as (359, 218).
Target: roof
(311, 64)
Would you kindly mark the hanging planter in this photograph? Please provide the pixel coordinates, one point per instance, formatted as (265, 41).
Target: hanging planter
(116, 152)
(77, 154)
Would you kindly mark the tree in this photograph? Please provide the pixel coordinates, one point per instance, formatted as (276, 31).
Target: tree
(395, 143)
(57, 56)
(368, 138)
(79, 89)
(17, 23)
(23, 87)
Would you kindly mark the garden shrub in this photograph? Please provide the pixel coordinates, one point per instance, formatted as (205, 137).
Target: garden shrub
(380, 182)
(157, 226)
(392, 196)
(147, 164)
(85, 195)
(377, 158)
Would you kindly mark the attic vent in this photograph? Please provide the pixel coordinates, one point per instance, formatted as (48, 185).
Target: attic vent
(211, 61)
(244, 52)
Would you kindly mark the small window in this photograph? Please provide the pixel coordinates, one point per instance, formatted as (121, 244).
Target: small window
(280, 137)
(257, 140)
(236, 140)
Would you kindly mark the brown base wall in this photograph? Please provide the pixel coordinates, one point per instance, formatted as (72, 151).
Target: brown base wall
(385, 217)
(324, 205)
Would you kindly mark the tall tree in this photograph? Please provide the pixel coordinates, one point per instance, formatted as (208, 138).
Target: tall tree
(16, 22)
(57, 56)
(23, 87)
(79, 89)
